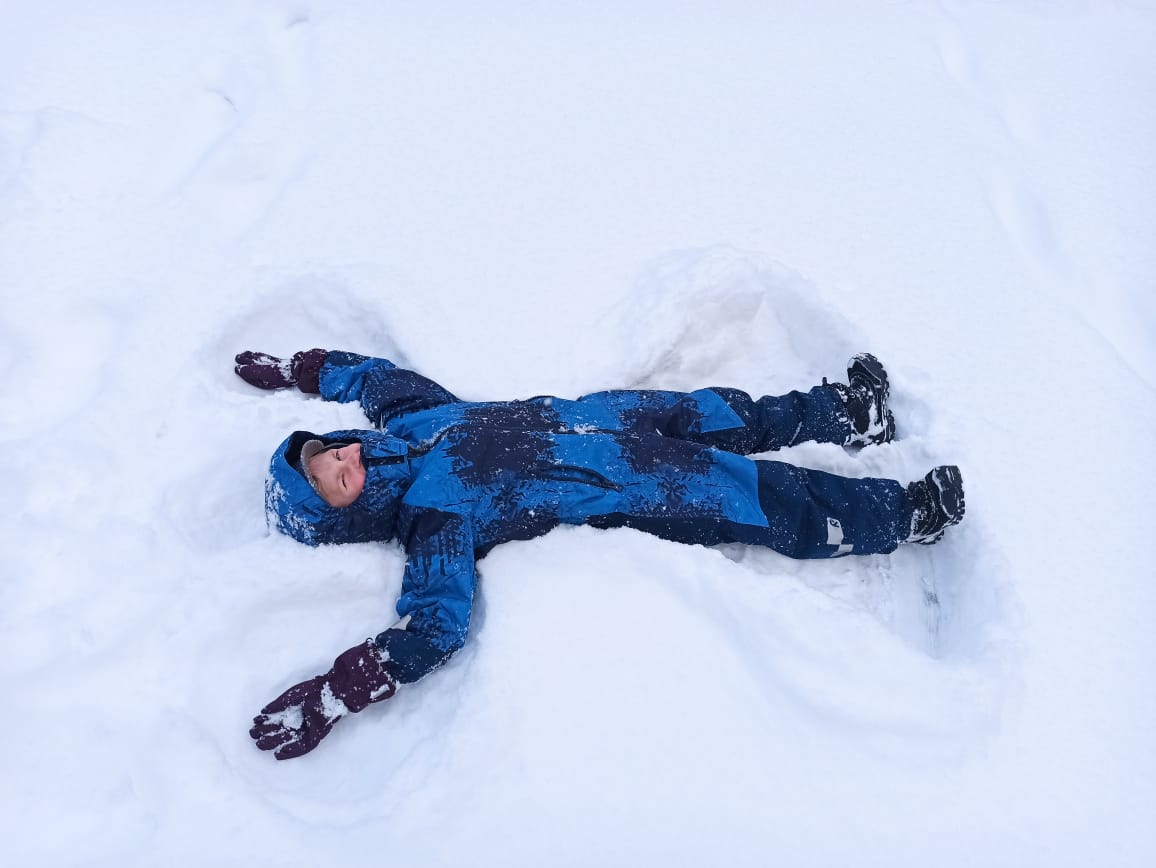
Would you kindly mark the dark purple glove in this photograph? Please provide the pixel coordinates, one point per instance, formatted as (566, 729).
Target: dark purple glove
(269, 372)
(295, 722)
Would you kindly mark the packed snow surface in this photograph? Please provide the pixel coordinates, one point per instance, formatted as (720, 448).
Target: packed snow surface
(536, 198)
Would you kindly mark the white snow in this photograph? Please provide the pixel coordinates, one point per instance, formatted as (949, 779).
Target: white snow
(521, 199)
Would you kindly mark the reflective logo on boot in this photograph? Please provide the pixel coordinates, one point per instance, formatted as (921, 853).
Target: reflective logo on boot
(835, 538)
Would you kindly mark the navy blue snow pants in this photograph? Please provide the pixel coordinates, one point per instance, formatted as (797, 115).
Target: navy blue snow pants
(809, 513)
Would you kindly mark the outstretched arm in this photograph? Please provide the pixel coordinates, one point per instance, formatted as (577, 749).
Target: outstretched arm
(435, 605)
(437, 595)
(383, 389)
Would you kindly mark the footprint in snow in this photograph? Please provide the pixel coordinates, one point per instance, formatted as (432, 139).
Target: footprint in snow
(242, 134)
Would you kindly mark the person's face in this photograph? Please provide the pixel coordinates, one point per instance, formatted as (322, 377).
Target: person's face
(339, 474)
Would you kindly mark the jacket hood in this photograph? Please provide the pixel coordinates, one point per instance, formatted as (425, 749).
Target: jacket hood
(295, 508)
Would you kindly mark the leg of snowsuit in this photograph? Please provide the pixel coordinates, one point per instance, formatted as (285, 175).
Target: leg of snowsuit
(798, 512)
(731, 419)
(814, 514)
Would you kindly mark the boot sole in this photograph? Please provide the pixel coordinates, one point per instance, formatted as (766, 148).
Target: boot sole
(871, 368)
(865, 366)
(948, 484)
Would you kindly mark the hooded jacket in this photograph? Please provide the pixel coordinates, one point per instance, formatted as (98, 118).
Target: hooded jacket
(451, 479)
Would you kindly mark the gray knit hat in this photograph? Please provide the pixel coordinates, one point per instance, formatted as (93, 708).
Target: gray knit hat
(308, 451)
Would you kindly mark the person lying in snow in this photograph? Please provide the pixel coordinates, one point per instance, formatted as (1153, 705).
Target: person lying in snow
(451, 479)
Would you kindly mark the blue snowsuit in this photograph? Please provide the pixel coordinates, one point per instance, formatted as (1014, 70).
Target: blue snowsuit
(451, 479)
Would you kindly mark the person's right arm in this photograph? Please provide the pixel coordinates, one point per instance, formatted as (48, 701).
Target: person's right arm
(383, 390)
(435, 605)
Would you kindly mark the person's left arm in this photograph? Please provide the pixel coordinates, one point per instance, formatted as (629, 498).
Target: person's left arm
(435, 606)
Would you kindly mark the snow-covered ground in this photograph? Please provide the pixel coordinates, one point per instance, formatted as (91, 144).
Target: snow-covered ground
(521, 198)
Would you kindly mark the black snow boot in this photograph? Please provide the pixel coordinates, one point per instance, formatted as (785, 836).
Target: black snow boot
(938, 502)
(865, 401)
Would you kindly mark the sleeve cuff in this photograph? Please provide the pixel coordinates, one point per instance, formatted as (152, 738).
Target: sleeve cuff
(307, 370)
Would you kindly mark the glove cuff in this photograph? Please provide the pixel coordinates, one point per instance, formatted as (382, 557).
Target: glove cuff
(359, 677)
(306, 367)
